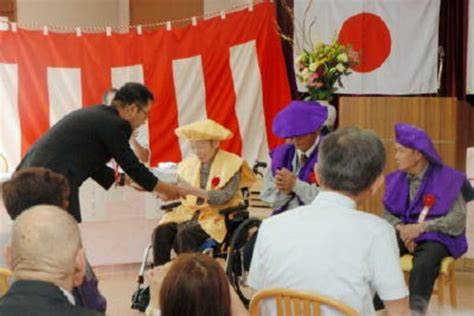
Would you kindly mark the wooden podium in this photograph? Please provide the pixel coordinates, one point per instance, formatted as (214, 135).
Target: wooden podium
(446, 121)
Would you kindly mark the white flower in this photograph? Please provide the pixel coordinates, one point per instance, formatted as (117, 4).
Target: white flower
(298, 59)
(340, 67)
(318, 45)
(305, 74)
(312, 67)
(342, 58)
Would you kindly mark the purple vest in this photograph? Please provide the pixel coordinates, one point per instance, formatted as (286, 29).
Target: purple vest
(282, 157)
(441, 181)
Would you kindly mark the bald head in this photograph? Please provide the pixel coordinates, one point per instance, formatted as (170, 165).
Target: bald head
(45, 243)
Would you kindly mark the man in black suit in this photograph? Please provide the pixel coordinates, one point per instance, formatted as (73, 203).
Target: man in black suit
(81, 143)
(47, 260)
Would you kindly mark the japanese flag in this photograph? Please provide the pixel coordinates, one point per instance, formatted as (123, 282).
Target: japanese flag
(397, 41)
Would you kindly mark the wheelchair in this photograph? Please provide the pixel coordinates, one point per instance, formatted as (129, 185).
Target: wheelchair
(240, 229)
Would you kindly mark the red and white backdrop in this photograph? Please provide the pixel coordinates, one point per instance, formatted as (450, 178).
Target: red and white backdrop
(229, 69)
(397, 41)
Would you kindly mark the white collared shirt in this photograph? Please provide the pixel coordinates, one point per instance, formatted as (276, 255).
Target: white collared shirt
(297, 158)
(330, 248)
(68, 295)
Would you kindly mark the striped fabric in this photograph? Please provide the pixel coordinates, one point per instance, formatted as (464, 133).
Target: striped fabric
(230, 70)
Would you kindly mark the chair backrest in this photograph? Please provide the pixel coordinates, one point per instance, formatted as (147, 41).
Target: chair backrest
(297, 303)
(5, 275)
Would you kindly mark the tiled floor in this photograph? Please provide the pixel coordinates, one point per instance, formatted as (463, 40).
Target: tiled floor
(119, 282)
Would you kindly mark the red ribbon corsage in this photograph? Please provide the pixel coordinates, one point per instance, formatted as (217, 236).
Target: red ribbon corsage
(312, 178)
(429, 200)
(215, 182)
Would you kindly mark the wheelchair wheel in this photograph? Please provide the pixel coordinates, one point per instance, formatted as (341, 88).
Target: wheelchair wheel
(236, 270)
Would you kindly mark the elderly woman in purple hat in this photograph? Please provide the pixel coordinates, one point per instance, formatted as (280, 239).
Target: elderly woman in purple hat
(291, 181)
(424, 202)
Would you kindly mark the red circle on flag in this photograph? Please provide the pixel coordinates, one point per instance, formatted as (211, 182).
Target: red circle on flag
(368, 35)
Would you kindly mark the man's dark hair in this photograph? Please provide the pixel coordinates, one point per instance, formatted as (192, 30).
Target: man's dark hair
(133, 92)
(350, 160)
(34, 186)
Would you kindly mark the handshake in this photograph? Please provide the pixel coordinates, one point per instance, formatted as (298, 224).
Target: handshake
(169, 187)
(173, 191)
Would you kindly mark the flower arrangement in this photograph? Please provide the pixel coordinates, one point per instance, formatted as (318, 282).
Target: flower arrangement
(321, 68)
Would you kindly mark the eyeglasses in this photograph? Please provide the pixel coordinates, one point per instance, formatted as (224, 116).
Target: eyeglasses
(147, 113)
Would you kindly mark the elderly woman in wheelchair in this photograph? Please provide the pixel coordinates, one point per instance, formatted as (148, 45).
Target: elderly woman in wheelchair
(213, 179)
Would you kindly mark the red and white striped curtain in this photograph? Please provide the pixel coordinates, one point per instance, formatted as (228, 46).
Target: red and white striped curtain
(229, 69)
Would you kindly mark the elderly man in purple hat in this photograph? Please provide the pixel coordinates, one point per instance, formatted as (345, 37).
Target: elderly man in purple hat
(291, 182)
(424, 202)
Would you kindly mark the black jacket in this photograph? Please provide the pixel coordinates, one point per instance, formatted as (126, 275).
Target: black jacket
(37, 298)
(79, 146)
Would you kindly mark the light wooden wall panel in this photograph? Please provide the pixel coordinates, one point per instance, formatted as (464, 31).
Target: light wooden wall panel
(437, 116)
(8, 9)
(151, 11)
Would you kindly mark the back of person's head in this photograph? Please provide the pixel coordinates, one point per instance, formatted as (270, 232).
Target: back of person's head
(34, 186)
(46, 245)
(195, 285)
(133, 93)
(350, 160)
(109, 96)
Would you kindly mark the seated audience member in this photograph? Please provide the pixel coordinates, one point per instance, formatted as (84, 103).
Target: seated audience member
(34, 186)
(47, 261)
(290, 181)
(213, 177)
(329, 247)
(192, 284)
(423, 201)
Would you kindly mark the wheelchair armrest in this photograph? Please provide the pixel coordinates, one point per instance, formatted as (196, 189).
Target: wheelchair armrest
(170, 206)
(234, 209)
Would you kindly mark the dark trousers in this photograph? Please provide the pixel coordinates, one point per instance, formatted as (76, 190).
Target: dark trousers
(426, 264)
(183, 237)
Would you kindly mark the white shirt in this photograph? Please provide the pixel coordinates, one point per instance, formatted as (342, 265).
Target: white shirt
(329, 248)
(297, 157)
(141, 136)
(68, 295)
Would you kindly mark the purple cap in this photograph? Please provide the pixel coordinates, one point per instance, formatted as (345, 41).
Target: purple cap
(299, 118)
(413, 137)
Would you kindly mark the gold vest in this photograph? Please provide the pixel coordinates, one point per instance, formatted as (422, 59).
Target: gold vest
(224, 166)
